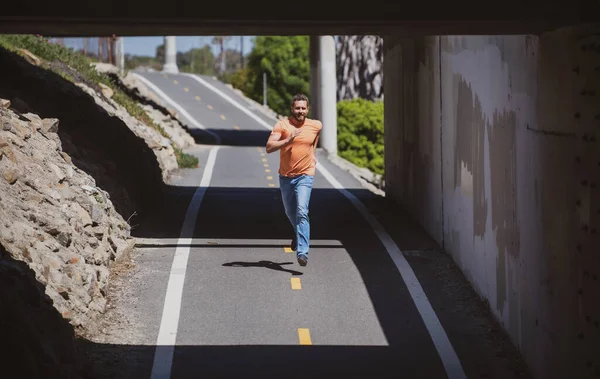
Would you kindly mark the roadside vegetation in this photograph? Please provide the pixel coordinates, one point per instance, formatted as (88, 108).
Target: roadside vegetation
(285, 60)
(77, 67)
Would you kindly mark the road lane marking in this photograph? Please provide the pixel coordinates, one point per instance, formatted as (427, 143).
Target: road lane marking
(267, 170)
(438, 335)
(209, 107)
(223, 117)
(288, 250)
(271, 184)
(266, 165)
(175, 82)
(181, 110)
(262, 154)
(197, 98)
(296, 285)
(442, 344)
(165, 75)
(304, 336)
(186, 89)
(167, 334)
(269, 178)
(236, 127)
(229, 99)
(264, 159)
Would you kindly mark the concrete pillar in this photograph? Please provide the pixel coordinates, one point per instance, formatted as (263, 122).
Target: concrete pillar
(315, 87)
(121, 55)
(170, 65)
(328, 94)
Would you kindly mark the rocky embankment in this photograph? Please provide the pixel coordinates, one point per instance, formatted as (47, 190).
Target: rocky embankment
(75, 168)
(57, 221)
(152, 105)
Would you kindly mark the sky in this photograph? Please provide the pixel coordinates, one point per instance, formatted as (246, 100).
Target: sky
(147, 45)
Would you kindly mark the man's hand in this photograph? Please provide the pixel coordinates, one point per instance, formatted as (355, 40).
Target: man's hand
(293, 134)
(274, 142)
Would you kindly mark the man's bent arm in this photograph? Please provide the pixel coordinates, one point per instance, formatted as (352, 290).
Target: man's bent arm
(274, 143)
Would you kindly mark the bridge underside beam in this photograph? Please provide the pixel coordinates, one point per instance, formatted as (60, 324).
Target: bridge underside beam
(74, 27)
(309, 17)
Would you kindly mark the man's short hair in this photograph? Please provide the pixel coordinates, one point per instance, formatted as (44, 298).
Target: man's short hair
(299, 97)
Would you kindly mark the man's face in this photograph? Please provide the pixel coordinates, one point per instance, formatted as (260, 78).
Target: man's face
(300, 110)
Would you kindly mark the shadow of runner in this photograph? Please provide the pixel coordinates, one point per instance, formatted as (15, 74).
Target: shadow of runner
(265, 264)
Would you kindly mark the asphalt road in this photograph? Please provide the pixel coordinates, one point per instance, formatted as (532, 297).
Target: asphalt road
(227, 299)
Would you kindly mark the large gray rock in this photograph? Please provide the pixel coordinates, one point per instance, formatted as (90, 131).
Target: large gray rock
(359, 67)
(55, 219)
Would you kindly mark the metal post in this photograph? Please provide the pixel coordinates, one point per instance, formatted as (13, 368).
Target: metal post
(265, 89)
(242, 50)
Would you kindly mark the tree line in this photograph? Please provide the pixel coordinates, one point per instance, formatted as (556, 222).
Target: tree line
(285, 61)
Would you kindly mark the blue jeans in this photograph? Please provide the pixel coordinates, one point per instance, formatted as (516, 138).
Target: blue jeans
(295, 193)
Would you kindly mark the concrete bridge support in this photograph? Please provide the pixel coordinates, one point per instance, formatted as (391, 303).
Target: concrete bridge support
(323, 89)
(491, 142)
(170, 65)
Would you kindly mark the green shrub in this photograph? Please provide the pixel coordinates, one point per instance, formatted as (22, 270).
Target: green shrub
(360, 133)
(185, 160)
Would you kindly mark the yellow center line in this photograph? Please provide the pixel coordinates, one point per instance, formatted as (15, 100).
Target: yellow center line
(304, 336)
(262, 154)
(269, 178)
(198, 98)
(288, 250)
(271, 185)
(175, 82)
(267, 170)
(222, 117)
(266, 165)
(209, 106)
(264, 159)
(186, 89)
(236, 127)
(296, 285)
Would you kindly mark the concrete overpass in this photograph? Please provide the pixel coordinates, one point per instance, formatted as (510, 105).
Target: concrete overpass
(310, 17)
(491, 132)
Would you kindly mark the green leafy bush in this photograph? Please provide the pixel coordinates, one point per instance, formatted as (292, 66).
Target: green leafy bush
(360, 133)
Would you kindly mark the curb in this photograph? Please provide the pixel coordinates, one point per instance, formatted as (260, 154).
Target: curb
(368, 179)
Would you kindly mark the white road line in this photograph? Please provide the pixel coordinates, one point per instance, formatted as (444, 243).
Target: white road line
(442, 344)
(447, 354)
(230, 100)
(167, 334)
(177, 106)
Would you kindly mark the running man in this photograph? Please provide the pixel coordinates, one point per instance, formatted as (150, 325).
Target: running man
(296, 139)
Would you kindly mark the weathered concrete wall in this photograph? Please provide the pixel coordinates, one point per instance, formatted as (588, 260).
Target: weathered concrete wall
(518, 205)
(412, 121)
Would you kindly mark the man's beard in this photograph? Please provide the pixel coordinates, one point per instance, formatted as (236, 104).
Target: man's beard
(300, 117)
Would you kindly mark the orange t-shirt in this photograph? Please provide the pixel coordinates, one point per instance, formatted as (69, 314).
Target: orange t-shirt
(298, 157)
